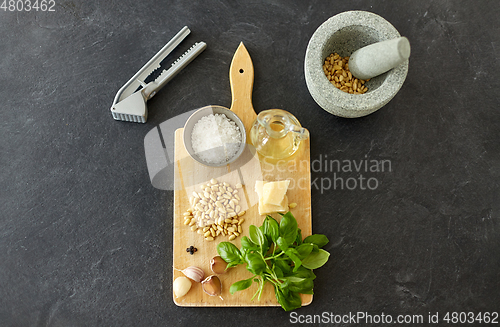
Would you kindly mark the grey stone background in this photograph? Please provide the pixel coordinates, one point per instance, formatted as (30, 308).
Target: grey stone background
(85, 240)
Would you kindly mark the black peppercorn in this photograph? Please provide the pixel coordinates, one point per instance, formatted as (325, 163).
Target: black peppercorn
(191, 250)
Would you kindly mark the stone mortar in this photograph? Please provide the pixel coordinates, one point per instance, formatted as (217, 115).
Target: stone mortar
(345, 33)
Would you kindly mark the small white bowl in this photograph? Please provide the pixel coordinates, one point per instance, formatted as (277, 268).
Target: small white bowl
(212, 110)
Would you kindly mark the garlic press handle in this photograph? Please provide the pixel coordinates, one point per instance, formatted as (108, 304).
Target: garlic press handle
(152, 88)
(130, 87)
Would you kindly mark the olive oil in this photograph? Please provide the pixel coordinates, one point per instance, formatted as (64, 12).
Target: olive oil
(276, 134)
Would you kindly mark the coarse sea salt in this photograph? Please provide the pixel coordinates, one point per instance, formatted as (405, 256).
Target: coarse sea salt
(215, 139)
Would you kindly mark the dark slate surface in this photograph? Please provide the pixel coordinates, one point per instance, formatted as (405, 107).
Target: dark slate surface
(85, 240)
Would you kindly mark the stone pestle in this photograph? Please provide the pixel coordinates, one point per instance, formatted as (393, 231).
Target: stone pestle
(377, 58)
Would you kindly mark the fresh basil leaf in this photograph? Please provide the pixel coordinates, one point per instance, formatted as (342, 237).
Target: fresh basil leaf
(304, 249)
(278, 271)
(240, 285)
(229, 252)
(294, 300)
(305, 286)
(284, 284)
(288, 227)
(282, 264)
(282, 299)
(256, 236)
(294, 255)
(271, 228)
(255, 263)
(294, 279)
(248, 245)
(319, 239)
(304, 272)
(267, 240)
(283, 245)
(288, 300)
(298, 239)
(316, 260)
(298, 284)
(262, 229)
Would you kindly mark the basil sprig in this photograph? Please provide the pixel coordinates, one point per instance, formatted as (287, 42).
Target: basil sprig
(276, 253)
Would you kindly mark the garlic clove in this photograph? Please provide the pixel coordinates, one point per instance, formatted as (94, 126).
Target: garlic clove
(194, 273)
(218, 265)
(181, 286)
(212, 286)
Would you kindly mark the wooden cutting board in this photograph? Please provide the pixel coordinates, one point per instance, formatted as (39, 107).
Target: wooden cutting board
(189, 174)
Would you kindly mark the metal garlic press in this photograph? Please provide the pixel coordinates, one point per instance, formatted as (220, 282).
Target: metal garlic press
(130, 101)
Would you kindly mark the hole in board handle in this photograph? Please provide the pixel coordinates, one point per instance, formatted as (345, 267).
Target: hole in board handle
(241, 71)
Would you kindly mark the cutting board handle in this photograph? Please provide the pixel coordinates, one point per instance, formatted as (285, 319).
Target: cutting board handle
(241, 80)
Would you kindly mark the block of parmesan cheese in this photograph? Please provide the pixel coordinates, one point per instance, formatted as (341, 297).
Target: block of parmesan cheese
(274, 192)
(265, 209)
(258, 188)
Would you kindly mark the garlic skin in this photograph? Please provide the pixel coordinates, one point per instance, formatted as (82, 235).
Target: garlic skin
(181, 286)
(212, 286)
(194, 273)
(218, 265)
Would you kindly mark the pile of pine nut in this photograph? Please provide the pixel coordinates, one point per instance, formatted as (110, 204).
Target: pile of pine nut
(336, 69)
(215, 211)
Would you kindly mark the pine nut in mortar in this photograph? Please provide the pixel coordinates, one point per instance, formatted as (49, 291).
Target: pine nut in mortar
(337, 71)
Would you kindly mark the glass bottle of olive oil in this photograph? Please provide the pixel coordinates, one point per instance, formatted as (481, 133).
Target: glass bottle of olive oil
(276, 134)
